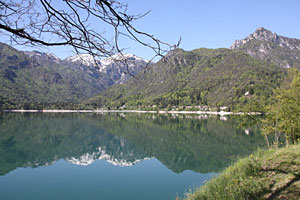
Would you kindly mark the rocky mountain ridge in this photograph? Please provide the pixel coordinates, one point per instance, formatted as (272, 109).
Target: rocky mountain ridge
(266, 35)
(270, 47)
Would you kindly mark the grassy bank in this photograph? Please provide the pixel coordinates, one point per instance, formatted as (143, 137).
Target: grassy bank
(267, 174)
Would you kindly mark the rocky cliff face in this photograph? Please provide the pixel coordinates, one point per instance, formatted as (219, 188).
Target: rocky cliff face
(270, 47)
(263, 34)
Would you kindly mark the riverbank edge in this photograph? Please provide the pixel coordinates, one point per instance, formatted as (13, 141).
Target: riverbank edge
(267, 174)
(135, 111)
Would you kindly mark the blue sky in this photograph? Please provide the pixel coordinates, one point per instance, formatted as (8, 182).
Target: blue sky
(210, 23)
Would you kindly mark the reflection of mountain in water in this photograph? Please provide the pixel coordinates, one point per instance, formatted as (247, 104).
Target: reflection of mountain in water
(87, 159)
(36, 139)
(31, 140)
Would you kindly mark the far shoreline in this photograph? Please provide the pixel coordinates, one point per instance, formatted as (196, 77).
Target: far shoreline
(132, 111)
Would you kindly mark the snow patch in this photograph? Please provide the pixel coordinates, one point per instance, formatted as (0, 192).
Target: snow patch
(85, 59)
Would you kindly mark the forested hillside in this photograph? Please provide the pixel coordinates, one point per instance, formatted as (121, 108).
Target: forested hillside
(207, 78)
(36, 80)
(219, 77)
(29, 82)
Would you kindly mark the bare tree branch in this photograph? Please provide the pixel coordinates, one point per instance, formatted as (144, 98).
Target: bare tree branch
(68, 23)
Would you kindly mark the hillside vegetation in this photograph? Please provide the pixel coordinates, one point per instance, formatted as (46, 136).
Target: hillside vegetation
(219, 77)
(28, 82)
(202, 78)
(37, 80)
(271, 174)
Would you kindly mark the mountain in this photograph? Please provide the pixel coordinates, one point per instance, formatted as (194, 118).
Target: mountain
(114, 67)
(270, 47)
(214, 77)
(30, 79)
(37, 80)
(252, 68)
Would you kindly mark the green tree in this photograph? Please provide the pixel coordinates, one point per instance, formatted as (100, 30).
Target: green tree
(284, 114)
(289, 109)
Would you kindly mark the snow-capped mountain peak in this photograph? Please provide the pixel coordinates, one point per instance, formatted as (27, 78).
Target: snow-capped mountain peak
(120, 57)
(118, 67)
(85, 59)
(89, 60)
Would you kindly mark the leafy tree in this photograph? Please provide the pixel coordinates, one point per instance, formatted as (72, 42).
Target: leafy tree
(280, 112)
(284, 114)
(289, 109)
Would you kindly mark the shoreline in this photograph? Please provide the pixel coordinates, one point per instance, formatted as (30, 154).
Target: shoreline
(133, 111)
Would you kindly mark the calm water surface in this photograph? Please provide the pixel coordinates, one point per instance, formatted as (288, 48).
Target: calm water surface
(115, 156)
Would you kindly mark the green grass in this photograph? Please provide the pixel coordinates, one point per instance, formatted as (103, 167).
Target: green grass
(267, 174)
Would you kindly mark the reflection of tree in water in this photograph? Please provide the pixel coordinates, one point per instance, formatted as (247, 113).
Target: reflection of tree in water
(180, 143)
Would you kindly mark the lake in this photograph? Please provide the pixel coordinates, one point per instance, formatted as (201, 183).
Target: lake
(115, 155)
